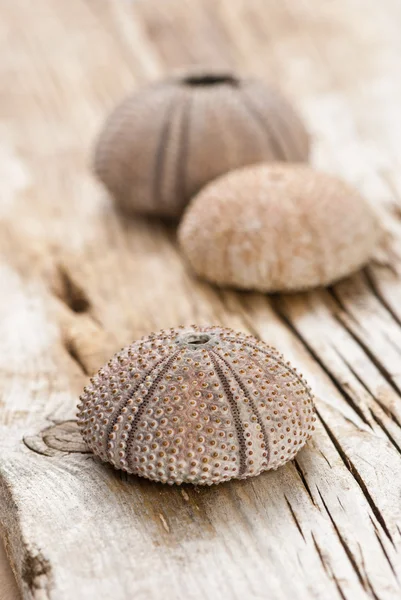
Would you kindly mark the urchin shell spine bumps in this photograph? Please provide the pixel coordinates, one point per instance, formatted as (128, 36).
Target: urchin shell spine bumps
(200, 405)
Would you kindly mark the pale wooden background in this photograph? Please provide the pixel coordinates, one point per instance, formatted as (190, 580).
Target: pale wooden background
(78, 282)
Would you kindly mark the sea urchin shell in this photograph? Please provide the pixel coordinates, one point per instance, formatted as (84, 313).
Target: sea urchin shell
(199, 405)
(161, 145)
(278, 228)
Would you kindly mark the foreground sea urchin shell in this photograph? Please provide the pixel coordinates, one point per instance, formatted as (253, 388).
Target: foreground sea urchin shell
(165, 142)
(199, 405)
(277, 228)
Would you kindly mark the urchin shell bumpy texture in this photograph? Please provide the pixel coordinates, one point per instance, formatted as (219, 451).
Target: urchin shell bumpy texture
(198, 404)
(278, 228)
(162, 144)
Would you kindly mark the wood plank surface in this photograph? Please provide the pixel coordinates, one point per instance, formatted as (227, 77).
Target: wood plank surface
(78, 282)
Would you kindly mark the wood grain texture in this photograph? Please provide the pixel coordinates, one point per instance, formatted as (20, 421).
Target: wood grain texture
(78, 282)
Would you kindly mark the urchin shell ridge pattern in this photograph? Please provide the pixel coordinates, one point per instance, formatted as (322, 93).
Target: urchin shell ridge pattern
(196, 404)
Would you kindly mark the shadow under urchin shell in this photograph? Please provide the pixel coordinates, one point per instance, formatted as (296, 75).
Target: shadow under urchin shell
(162, 144)
(196, 404)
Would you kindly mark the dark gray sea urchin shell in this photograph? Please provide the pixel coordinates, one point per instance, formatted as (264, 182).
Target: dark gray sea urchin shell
(197, 404)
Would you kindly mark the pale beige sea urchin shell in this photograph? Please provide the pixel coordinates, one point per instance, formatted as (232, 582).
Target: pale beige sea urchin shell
(165, 142)
(199, 404)
(278, 227)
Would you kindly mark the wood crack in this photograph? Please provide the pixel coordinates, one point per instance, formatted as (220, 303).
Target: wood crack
(366, 574)
(325, 458)
(378, 295)
(338, 586)
(345, 546)
(327, 568)
(70, 292)
(355, 474)
(71, 348)
(384, 549)
(321, 363)
(352, 370)
(305, 483)
(381, 368)
(384, 408)
(298, 526)
(386, 431)
(320, 554)
(388, 380)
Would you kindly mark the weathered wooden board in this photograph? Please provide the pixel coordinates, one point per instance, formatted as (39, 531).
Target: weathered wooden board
(78, 282)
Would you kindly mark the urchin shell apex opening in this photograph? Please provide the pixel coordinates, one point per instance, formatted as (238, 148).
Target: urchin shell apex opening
(163, 143)
(199, 405)
(209, 79)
